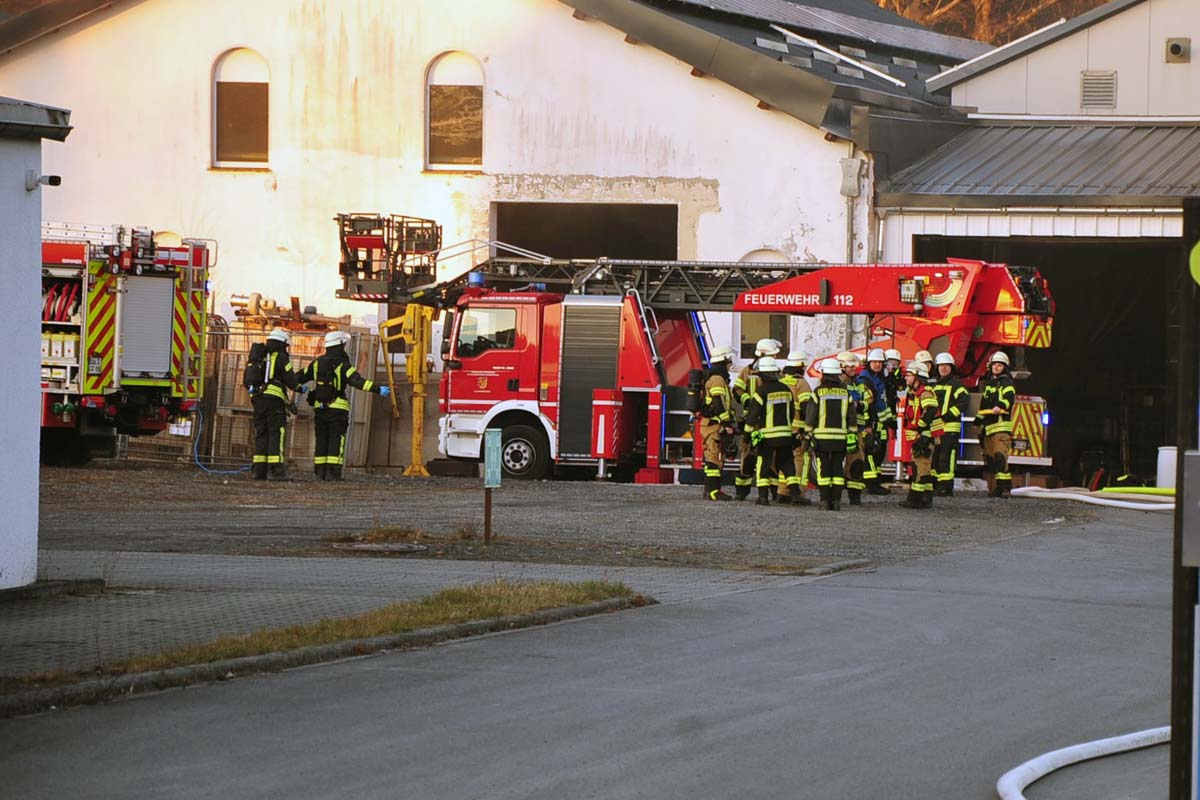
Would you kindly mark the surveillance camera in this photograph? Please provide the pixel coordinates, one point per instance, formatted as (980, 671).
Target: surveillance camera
(1179, 50)
(52, 180)
(33, 180)
(1176, 49)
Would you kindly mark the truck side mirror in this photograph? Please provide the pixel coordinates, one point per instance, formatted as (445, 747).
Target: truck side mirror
(452, 363)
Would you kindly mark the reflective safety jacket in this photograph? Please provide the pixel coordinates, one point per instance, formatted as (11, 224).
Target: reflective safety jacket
(880, 410)
(745, 384)
(802, 394)
(336, 361)
(998, 391)
(716, 409)
(771, 409)
(921, 414)
(952, 399)
(863, 397)
(831, 415)
(278, 370)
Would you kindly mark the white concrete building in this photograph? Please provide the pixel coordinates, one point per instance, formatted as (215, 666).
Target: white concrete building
(1084, 138)
(22, 127)
(688, 129)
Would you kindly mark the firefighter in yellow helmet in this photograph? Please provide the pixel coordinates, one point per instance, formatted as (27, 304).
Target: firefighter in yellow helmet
(716, 412)
(922, 425)
(770, 414)
(742, 387)
(793, 377)
(998, 394)
(926, 358)
(952, 399)
(833, 427)
(863, 398)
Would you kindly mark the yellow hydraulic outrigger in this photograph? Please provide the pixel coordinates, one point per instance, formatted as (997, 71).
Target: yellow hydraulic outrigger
(415, 330)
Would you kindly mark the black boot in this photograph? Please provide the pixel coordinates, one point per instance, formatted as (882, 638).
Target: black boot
(333, 472)
(783, 500)
(875, 486)
(258, 472)
(927, 499)
(913, 500)
(319, 471)
(774, 492)
(278, 472)
(1005, 487)
(741, 492)
(798, 498)
(855, 497)
(835, 496)
(763, 494)
(826, 498)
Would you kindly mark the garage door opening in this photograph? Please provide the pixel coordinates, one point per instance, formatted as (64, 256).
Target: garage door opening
(591, 230)
(1108, 376)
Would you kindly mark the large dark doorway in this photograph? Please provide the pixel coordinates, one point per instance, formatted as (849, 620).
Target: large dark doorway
(1108, 375)
(591, 230)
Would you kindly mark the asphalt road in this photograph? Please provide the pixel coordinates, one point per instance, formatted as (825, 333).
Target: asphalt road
(924, 680)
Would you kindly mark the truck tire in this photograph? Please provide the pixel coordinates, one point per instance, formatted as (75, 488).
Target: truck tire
(524, 452)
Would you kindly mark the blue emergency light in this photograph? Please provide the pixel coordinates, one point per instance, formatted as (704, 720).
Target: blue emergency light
(475, 279)
(1045, 418)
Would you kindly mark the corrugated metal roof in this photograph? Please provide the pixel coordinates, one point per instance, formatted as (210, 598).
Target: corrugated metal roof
(870, 27)
(1054, 164)
(1026, 44)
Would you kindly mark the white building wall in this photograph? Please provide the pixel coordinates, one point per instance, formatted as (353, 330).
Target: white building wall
(572, 113)
(20, 292)
(900, 228)
(1133, 42)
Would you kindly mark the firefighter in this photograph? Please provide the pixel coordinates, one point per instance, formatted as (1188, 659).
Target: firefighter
(832, 425)
(330, 375)
(716, 411)
(881, 416)
(995, 422)
(952, 399)
(270, 409)
(770, 414)
(793, 377)
(926, 358)
(863, 399)
(741, 389)
(921, 426)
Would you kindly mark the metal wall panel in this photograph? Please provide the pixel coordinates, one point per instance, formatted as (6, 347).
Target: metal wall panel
(147, 318)
(590, 342)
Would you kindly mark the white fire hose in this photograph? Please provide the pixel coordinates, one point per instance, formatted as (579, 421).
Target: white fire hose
(1013, 783)
(1142, 503)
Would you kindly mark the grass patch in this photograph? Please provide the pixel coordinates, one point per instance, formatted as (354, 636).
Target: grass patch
(386, 534)
(482, 601)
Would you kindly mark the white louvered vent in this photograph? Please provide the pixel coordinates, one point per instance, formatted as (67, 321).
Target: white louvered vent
(1098, 89)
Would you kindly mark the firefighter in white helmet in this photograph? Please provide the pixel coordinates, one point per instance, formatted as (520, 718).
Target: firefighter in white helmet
(770, 414)
(272, 378)
(743, 385)
(716, 413)
(863, 398)
(952, 399)
(894, 378)
(926, 358)
(332, 374)
(922, 426)
(832, 424)
(998, 394)
(793, 377)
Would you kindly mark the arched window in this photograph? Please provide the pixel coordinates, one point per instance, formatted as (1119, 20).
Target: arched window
(241, 83)
(756, 325)
(454, 107)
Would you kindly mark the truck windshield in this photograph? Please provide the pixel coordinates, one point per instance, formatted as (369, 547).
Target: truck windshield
(484, 329)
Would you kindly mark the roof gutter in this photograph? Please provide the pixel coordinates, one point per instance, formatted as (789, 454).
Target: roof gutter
(23, 120)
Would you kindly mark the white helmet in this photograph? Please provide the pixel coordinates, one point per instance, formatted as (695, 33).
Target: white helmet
(766, 347)
(797, 358)
(768, 364)
(876, 355)
(944, 358)
(923, 355)
(721, 353)
(1000, 356)
(831, 366)
(334, 338)
(280, 335)
(917, 368)
(893, 355)
(848, 359)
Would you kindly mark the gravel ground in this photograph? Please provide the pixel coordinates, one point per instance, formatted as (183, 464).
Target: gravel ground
(134, 507)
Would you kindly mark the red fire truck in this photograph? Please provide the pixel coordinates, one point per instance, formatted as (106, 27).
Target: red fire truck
(122, 335)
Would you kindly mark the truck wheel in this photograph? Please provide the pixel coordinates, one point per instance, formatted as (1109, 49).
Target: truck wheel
(524, 452)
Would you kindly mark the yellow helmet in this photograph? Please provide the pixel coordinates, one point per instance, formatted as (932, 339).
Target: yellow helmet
(923, 355)
(848, 359)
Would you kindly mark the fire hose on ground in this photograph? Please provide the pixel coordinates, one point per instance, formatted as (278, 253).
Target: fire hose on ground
(1113, 498)
(1013, 783)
